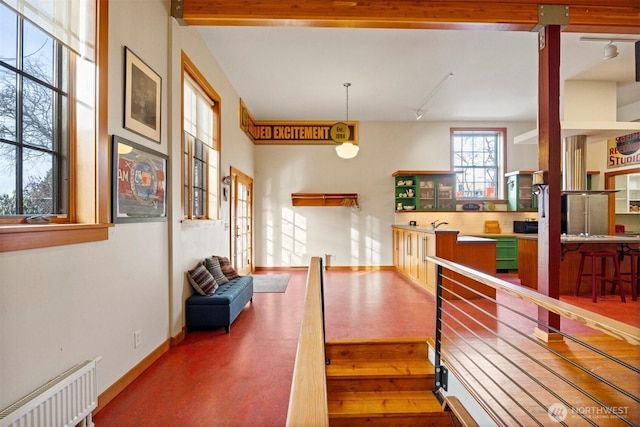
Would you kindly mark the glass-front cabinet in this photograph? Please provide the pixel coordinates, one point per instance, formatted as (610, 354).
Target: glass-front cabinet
(628, 195)
(520, 195)
(425, 190)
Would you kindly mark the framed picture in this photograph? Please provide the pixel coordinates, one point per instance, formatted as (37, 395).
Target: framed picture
(139, 183)
(142, 97)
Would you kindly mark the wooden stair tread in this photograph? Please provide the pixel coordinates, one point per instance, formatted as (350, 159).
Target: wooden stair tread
(379, 368)
(383, 404)
(378, 349)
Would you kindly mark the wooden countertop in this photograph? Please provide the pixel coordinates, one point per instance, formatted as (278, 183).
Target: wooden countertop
(423, 229)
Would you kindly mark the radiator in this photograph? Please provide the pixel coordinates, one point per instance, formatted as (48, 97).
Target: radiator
(66, 400)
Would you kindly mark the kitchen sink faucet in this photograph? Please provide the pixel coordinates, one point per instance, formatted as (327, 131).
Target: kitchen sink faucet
(435, 224)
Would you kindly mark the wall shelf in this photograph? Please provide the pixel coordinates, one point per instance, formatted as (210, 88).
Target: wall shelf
(324, 199)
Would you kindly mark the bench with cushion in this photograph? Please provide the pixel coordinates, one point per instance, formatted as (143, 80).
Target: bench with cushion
(220, 294)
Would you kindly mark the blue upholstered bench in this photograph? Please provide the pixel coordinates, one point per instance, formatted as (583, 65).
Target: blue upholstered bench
(221, 308)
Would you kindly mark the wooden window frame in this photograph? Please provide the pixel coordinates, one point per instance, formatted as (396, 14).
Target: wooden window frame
(212, 190)
(501, 156)
(89, 217)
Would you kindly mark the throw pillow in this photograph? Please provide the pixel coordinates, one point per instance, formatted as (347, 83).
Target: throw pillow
(201, 280)
(226, 268)
(213, 265)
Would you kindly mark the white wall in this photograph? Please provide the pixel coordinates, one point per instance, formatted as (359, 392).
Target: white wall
(288, 236)
(62, 305)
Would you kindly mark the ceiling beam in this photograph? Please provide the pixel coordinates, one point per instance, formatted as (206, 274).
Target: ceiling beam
(590, 16)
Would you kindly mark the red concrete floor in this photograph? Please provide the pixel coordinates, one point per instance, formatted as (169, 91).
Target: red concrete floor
(244, 378)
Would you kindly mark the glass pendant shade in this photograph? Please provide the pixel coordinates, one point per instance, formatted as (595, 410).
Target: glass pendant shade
(347, 150)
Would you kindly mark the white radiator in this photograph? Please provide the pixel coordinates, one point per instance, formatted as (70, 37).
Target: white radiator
(66, 400)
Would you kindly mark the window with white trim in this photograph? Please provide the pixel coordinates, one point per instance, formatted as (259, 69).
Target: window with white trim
(478, 157)
(201, 158)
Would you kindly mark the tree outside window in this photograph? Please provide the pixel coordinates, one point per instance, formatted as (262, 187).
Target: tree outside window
(34, 99)
(478, 158)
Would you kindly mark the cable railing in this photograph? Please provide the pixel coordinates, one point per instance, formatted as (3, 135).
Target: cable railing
(589, 374)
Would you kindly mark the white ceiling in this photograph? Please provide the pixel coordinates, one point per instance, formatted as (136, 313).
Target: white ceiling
(295, 73)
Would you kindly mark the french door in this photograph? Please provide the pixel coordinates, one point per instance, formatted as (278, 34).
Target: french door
(241, 222)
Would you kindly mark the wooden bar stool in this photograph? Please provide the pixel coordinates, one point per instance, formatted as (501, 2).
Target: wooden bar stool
(600, 276)
(634, 270)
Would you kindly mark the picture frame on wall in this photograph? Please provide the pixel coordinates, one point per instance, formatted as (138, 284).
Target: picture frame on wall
(142, 97)
(139, 183)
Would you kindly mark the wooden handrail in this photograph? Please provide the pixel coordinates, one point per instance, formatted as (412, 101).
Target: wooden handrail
(308, 398)
(604, 324)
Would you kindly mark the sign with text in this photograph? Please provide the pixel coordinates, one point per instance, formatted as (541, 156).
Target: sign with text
(623, 150)
(295, 132)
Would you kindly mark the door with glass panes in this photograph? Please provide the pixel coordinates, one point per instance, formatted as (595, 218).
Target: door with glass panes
(242, 222)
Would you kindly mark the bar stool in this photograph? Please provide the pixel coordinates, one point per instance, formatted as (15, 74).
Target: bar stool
(595, 276)
(634, 270)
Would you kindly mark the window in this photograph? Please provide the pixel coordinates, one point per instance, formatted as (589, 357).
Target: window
(478, 157)
(34, 120)
(201, 145)
(54, 145)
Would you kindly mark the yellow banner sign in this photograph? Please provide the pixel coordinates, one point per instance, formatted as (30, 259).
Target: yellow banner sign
(293, 132)
(623, 150)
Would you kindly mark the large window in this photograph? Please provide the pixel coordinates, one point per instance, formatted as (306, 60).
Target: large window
(34, 120)
(201, 145)
(54, 144)
(478, 158)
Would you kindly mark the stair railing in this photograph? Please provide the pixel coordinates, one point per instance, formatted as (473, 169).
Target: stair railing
(512, 376)
(308, 398)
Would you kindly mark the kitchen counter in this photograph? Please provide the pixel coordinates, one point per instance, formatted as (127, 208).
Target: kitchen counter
(474, 239)
(413, 244)
(618, 238)
(570, 257)
(424, 229)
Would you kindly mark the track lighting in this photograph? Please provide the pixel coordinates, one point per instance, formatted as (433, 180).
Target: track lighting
(610, 51)
(420, 111)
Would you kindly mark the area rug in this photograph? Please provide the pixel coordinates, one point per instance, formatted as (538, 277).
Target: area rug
(275, 283)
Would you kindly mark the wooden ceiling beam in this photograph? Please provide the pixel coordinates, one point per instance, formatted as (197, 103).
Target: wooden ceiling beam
(613, 16)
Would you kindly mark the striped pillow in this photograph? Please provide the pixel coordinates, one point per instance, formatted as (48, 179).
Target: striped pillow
(201, 280)
(227, 270)
(213, 265)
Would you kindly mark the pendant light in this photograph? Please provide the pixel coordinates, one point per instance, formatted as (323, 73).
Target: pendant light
(347, 149)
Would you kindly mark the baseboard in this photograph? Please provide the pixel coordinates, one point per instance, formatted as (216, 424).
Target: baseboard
(179, 337)
(110, 393)
(259, 269)
(359, 267)
(328, 267)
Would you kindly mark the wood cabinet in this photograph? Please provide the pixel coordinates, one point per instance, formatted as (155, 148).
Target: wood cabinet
(506, 251)
(411, 247)
(410, 251)
(425, 190)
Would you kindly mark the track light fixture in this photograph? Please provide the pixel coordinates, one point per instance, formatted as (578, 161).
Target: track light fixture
(610, 51)
(420, 110)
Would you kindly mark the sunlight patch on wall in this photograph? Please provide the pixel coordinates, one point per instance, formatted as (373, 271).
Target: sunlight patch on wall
(373, 246)
(294, 237)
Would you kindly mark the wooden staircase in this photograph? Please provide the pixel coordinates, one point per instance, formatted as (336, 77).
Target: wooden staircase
(387, 382)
